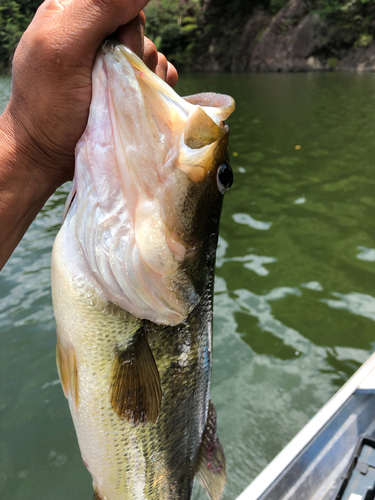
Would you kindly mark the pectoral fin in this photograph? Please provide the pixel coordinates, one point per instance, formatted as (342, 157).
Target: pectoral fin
(67, 366)
(211, 463)
(201, 130)
(136, 389)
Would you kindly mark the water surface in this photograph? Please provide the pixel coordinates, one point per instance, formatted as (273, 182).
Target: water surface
(295, 291)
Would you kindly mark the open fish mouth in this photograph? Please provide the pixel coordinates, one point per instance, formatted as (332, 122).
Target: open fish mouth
(146, 186)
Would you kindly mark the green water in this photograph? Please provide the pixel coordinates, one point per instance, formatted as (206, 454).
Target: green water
(295, 290)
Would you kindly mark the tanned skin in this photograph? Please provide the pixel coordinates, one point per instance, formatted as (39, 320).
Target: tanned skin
(51, 94)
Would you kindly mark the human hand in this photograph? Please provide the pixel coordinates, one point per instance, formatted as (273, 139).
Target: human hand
(51, 89)
(51, 94)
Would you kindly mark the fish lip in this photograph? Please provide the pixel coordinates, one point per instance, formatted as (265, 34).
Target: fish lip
(213, 100)
(224, 102)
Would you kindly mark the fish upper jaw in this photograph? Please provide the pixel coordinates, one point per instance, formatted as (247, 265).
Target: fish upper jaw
(135, 168)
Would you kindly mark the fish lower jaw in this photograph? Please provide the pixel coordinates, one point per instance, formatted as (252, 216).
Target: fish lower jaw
(162, 299)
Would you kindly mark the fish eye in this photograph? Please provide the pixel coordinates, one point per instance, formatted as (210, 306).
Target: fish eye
(224, 177)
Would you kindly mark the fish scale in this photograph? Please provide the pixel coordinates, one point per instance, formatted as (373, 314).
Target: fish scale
(174, 441)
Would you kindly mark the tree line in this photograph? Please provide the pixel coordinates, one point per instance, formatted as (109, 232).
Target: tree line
(15, 16)
(183, 29)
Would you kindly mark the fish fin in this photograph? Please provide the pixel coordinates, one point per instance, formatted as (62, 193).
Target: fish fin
(136, 389)
(68, 371)
(201, 130)
(211, 471)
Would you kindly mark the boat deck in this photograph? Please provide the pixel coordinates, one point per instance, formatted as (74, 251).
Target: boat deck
(312, 464)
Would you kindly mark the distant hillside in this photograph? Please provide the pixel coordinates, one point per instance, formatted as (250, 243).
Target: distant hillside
(241, 35)
(205, 35)
(268, 35)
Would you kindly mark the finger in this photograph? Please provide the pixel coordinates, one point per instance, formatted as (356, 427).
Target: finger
(84, 24)
(162, 66)
(132, 34)
(172, 75)
(150, 54)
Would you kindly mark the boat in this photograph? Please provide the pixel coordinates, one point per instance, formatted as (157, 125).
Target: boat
(321, 461)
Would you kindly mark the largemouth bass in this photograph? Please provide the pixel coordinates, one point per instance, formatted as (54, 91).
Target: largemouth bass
(132, 283)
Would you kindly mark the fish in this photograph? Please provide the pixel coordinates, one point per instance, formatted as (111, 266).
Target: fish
(132, 283)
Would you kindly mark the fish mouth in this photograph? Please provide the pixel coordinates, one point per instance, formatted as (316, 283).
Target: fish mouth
(201, 116)
(224, 102)
(221, 105)
(147, 199)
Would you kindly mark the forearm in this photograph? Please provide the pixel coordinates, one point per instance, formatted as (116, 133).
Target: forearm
(23, 188)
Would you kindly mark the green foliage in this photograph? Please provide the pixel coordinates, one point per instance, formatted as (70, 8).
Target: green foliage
(15, 16)
(185, 30)
(333, 62)
(173, 25)
(364, 40)
(351, 23)
(276, 5)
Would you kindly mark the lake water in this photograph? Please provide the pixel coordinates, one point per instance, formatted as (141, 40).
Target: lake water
(295, 288)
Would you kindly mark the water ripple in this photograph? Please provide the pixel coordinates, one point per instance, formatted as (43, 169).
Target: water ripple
(356, 303)
(249, 221)
(367, 254)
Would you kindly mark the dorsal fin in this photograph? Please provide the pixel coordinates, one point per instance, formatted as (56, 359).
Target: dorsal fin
(211, 471)
(136, 389)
